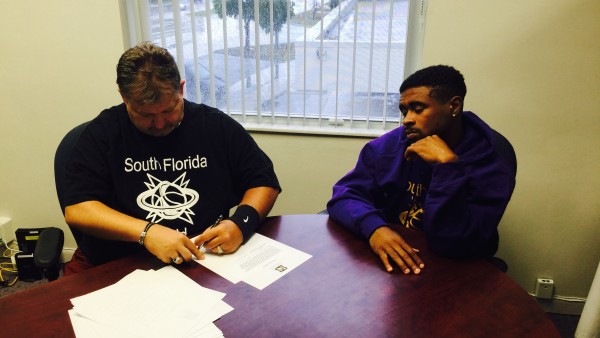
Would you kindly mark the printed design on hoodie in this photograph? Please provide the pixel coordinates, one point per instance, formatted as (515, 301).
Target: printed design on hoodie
(412, 216)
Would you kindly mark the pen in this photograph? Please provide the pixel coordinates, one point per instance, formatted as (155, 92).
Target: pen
(219, 219)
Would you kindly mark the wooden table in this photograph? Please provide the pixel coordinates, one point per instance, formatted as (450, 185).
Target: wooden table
(342, 291)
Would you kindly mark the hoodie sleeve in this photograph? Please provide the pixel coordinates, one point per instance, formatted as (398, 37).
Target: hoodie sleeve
(464, 206)
(355, 196)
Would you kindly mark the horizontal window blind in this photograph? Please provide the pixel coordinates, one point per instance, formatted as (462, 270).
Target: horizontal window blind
(289, 66)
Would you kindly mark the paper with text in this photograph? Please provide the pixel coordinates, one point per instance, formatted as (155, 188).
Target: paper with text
(259, 262)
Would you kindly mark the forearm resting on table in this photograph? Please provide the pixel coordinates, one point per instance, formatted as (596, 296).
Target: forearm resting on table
(97, 219)
(261, 199)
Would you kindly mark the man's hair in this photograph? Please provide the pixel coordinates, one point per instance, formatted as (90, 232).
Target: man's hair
(147, 71)
(444, 82)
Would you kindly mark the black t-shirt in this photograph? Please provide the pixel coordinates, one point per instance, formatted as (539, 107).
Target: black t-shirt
(184, 180)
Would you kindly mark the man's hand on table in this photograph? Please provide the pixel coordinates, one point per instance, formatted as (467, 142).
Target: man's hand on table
(168, 244)
(387, 243)
(226, 235)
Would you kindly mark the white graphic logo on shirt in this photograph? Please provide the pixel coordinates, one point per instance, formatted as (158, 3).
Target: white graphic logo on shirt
(168, 200)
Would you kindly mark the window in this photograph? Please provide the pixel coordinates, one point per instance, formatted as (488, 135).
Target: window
(303, 66)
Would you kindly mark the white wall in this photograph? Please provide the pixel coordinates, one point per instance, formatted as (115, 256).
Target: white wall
(57, 69)
(532, 72)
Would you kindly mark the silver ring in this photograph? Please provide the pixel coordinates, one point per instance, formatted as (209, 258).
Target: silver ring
(176, 259)
(219, 250)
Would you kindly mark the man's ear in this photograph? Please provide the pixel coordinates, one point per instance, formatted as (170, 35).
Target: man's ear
(456, 104)
(181, 86)
(122, 96)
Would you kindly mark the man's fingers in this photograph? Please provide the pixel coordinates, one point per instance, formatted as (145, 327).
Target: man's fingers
(386, 263)
(414, 254)
(387, 244)
(410, 256)
(412, 259)
(402, 263)
(406, 258)
(206, 236)
(194, 251)
(410, 154)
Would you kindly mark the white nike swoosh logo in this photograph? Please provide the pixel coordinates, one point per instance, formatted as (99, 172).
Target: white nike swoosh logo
(246, 219)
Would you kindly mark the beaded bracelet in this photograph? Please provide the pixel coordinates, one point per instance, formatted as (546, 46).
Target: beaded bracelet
(143, 234)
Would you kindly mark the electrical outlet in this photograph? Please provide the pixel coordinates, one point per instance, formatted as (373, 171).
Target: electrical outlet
(544, 288)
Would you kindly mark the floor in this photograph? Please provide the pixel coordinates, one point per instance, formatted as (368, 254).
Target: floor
(9, 282)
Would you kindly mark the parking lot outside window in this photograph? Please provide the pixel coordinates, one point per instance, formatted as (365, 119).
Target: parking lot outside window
(304, 66)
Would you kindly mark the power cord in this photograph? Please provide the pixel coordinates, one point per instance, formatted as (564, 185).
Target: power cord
(10, 268)
(11, 249)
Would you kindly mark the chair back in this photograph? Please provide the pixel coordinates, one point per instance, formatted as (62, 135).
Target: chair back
(63, 153)
(46, 256)
(506, 151)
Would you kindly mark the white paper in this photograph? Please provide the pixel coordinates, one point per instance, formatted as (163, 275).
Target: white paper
(163, 303)
(259, 262)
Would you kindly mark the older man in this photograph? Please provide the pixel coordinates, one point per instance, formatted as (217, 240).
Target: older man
(156, 169)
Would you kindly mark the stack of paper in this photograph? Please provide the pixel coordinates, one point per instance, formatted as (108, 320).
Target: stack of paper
(161, 303)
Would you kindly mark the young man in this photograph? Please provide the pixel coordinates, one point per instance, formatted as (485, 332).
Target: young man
(437, 172)
(155, 170)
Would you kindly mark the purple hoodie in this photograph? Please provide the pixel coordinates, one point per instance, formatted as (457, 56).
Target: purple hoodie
(458, 205)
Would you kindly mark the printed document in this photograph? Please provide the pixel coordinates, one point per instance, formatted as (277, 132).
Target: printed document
(259, 262)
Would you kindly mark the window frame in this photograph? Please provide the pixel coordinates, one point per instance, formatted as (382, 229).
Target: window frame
(137, 29)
